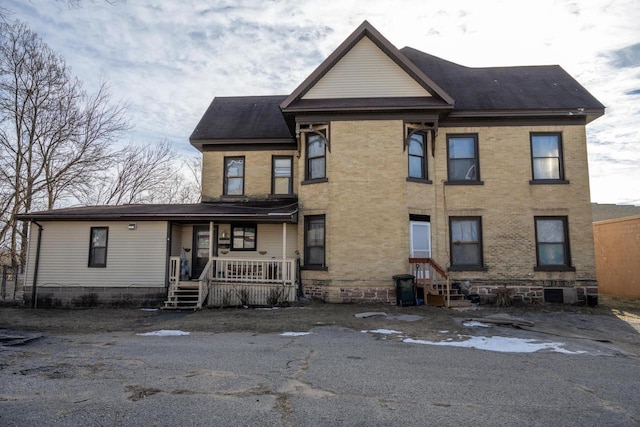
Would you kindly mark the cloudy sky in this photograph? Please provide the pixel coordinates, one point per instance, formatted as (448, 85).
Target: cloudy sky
(169, 59)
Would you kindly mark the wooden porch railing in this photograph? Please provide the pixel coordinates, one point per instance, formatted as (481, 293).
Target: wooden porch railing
(238, 270)
(175, 285)
(432, 277)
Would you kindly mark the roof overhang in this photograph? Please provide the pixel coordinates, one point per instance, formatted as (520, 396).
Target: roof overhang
(260, 212)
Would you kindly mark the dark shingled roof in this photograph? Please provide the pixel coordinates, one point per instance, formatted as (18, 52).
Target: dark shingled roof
(544, 87)
(497, 91)
(243, 117)
(239, 211)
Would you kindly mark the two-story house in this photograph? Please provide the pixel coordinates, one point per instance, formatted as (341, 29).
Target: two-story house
(383, 161)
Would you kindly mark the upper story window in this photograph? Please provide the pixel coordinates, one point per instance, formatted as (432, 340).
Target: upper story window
(233, 176)
(282, 175)
(552, 243)
(316, 157)
(417, 148)
(463, 164)
(546, 158)
(465, 237)
(243, 237)
(98, 246)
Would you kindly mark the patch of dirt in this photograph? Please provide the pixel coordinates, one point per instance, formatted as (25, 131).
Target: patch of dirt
(432, 323)
(138, 392)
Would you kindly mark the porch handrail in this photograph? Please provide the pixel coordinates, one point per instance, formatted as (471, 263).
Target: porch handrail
(246, 270)
(203, 282)
(433, 266)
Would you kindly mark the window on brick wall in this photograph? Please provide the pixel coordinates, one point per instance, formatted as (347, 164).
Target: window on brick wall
(547, 166)
(463, 164)
(465, 237)
(316, 166)
(552, 243)
(417, 148)
(314, 242)
(282, 175)
(233, 176)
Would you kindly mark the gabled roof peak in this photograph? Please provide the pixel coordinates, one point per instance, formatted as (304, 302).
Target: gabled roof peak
(367, 30)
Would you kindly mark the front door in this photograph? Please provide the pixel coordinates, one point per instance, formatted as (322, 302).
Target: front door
(201, 242)
(420, 243)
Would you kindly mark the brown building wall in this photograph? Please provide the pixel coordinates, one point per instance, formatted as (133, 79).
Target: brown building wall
(617, 248)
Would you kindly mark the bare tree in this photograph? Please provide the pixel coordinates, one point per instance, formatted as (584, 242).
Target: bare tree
(141, 174)
(52, 134)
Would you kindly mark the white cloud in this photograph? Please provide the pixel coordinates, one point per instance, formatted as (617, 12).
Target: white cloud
(170, 60)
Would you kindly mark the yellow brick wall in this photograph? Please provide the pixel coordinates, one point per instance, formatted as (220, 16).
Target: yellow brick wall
(367, 202)
(257, 184)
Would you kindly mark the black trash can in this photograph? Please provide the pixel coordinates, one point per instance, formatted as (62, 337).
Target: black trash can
(405, 289)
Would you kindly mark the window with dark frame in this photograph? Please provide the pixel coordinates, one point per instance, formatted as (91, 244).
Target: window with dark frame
(316, 157)
(552, 243)
(465, 237)
(314, 241)
(233, 176)
(546, 157)
(98, 247)
(462, 159)
(282, 175)
(244, 237)
(417, 148)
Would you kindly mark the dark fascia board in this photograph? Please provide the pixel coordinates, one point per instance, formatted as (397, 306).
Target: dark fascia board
(588, 114)
(366, 29)
(276, 144)
(290, 217)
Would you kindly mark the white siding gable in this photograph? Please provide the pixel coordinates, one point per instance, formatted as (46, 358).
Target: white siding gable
(365, 72)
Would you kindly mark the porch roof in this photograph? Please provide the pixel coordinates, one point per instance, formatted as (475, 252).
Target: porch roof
(268, 211)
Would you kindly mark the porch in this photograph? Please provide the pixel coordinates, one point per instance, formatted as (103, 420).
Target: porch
(433, 281)
(227, 282)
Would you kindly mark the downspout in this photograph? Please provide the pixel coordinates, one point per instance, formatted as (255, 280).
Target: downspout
(35, 268)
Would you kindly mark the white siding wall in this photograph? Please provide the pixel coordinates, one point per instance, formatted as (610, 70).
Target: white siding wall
(135, 258)
(365, 72)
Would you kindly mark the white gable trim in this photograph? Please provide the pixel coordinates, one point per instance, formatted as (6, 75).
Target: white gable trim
(365, 71)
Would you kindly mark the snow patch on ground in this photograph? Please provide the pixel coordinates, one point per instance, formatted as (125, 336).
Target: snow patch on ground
(501, 344)
(382, 331)
(294, 334)
(475, 323)
(164, 333)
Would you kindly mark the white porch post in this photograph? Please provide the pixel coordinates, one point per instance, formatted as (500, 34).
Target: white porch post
(211, 242)
(284, 241)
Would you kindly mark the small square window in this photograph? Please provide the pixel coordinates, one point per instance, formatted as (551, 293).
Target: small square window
(244, 237)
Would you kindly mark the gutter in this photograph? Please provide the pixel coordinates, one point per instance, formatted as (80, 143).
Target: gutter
(37, 264)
